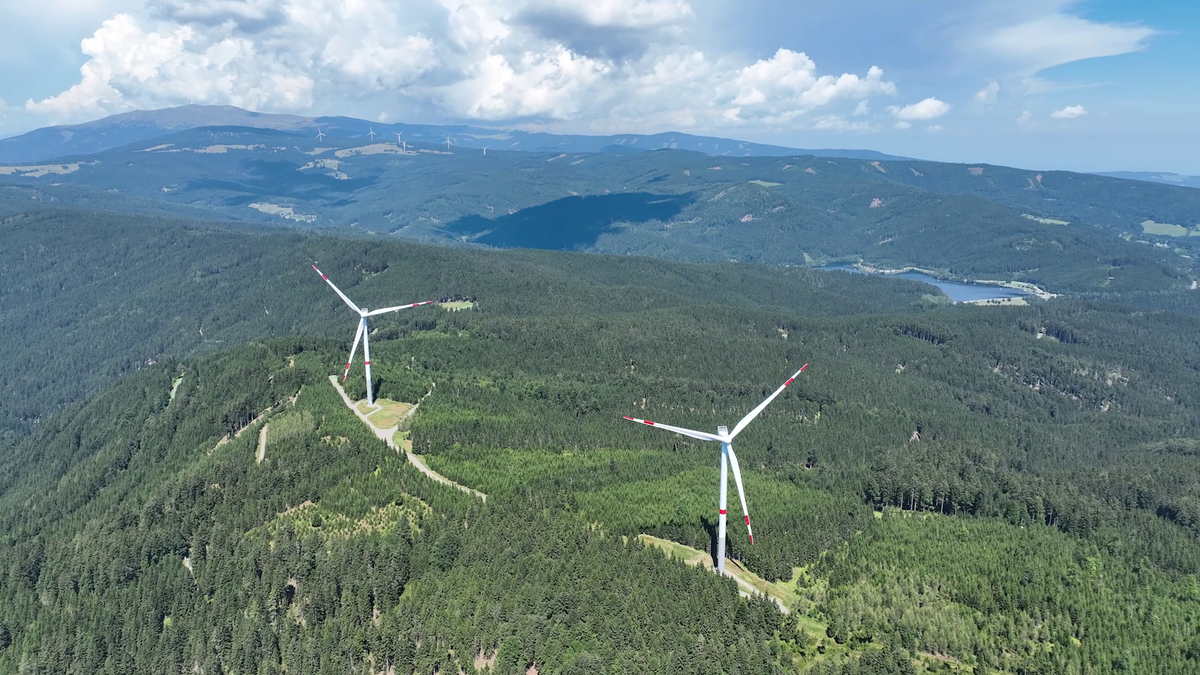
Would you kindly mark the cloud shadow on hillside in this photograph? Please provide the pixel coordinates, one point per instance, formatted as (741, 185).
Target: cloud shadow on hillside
(569, 224)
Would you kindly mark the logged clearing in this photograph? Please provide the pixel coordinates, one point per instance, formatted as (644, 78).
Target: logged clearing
(39, 170)
(262, 445)
(1045, 221)
(457, 305)
(282, 211)
(764, 183)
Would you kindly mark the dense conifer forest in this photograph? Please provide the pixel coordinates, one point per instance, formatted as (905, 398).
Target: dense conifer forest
(946, 488)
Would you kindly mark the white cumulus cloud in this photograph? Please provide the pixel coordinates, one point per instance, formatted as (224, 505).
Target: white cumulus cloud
(1069, 113)
(785, 86)
(591, 64)
(928, 109)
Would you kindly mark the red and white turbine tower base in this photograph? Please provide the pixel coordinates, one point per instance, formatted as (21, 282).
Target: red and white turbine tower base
(362, 332)
(728, 458)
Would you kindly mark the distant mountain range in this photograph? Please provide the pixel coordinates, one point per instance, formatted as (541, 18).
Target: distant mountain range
(1157, 177)
(141, 125)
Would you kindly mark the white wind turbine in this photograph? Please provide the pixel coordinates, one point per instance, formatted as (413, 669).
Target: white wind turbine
(320, 135)
(399, 141)
(485, 150)
(725, 438)
(448, 141)
(362, 334)
(371, 133)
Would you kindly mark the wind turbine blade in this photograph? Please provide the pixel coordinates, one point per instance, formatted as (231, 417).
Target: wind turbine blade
(338, 290)
(761, 406)
(737, 478)
(385, 310)
(679, 430)
(357, 336)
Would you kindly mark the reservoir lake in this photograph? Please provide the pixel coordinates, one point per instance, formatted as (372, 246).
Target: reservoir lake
(958, 291)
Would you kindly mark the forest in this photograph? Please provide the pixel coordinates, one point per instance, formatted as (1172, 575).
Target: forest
(1068, 233)
(946, 488)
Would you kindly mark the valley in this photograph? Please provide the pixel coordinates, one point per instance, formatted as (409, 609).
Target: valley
(186, 485)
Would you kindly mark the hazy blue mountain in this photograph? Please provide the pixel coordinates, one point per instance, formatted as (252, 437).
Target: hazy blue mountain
(118, 130)
(1157, 177)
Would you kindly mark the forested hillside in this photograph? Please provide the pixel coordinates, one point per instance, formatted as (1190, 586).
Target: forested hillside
(89, 296)
(1069, 233)
(1012, 489)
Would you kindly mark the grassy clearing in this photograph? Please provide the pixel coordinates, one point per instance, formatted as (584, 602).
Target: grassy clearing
(388, 413)
(764, 183)
(457, 305)
(1168, 229)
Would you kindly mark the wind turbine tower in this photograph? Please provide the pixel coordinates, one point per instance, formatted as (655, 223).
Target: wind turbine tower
(363, 333)
(448, 142)
(485, 150)
(319, 134)
(725, 438)
(371, 133)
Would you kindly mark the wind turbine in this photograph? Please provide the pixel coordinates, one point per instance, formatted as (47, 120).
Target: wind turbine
(371, 133)
(319, 134)
(485, 150)
(363, 313)
(448, 141)
(725, 438)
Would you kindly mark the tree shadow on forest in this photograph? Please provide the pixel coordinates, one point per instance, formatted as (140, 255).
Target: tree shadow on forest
(569, 224)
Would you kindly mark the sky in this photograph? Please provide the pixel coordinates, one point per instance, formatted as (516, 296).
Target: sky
(1086, 85)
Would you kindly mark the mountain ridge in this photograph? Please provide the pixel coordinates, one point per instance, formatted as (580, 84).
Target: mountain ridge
(116, 130)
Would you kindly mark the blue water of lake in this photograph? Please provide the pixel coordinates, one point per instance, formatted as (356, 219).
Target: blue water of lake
(958, 292)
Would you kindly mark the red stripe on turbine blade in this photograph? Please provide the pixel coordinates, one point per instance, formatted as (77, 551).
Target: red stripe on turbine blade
(789, 381)
(751, 540)
(722, 511)
(367, 363)
(747, 521)
(803, 367)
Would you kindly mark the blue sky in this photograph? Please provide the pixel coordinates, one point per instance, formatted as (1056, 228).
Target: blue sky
(1086, 85)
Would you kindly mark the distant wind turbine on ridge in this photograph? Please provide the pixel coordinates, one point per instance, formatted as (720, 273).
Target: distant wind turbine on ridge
(725, 438)
(371, 133)
(448, 141)
(362, 332)
(485, 150)
(320, 135)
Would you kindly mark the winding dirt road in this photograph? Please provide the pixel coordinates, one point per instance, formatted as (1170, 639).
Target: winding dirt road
(387, 435)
